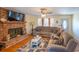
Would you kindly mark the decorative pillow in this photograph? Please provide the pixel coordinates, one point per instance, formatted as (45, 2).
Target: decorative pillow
(58, 42)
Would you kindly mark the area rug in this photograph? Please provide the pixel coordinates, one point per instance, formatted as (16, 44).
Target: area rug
(27, 47)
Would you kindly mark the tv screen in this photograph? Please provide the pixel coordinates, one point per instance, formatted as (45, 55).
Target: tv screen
(19, 17)
(11, 16)
(15, 16)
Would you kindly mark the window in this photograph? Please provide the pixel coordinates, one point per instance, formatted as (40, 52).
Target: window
(64, 24)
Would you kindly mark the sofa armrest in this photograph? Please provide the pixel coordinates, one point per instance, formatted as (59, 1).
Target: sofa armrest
(56, 48)
(71, 46)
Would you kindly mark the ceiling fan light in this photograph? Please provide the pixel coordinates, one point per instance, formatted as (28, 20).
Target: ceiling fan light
(43, 15)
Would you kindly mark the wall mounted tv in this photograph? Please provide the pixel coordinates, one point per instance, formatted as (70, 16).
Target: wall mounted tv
(15, 16)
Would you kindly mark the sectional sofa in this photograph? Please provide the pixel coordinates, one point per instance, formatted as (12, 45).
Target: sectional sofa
(69, 45)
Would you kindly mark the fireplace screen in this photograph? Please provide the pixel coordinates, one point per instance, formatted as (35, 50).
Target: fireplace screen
(15, 32)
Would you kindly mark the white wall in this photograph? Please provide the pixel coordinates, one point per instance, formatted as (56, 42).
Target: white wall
(76, 25)
(30, 19)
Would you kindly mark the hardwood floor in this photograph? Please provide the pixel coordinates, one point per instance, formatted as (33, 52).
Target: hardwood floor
(18, 45)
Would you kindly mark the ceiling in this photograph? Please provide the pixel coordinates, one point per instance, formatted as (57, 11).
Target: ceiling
(54, 10)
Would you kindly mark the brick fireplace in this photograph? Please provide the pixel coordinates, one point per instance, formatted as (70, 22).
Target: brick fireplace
(11, 32)
(13, 29)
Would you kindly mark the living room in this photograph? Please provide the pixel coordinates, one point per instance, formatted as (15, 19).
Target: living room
(22, 26)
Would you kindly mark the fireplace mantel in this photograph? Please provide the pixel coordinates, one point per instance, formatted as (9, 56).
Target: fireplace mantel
(14, 24)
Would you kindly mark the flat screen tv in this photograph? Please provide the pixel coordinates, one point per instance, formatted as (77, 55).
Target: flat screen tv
(15, 16)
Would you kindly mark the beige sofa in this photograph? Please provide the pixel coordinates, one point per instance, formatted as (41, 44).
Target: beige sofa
(69, 45)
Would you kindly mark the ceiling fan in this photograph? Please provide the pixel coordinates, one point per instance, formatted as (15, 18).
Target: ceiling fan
(45, 11)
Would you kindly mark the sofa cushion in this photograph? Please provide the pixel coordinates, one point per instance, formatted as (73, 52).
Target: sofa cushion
(38, 28)
(71, 45)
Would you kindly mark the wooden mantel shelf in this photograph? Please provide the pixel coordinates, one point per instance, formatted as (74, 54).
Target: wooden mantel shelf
(10, 22)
